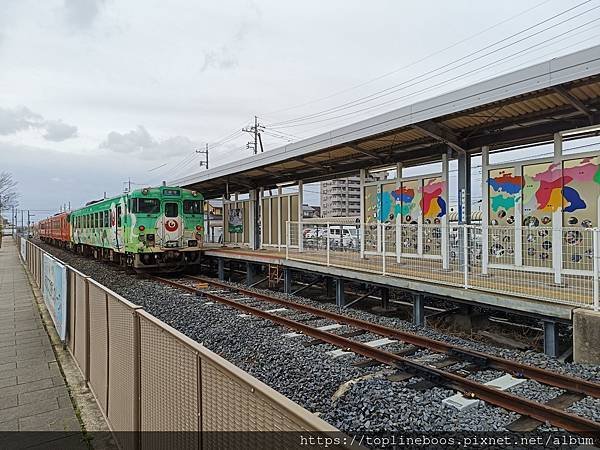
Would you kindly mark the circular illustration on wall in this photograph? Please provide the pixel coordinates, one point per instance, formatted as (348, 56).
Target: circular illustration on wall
(510, 250)
(392, 216)
(427, 248)
(587, 223)
(546, 245)
(531, 221)
(437, 221)
(546, 220)
(494, 222)
(414, 222)
(438, 244)
(452, 254)
(407, 219)
(544, 255)
(589, 253)
(427, 222)
(543, 233)
(497, 250)
(510, 220)
(576, 258)
(531, 251)
(501, 213)
(506, 239)
(531, 237)
(573, 237)
(572, 220)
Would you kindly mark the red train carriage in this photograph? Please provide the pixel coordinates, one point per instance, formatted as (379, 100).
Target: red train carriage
(56, 230)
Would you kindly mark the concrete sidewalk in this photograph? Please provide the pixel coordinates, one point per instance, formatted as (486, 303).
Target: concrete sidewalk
(33, 395)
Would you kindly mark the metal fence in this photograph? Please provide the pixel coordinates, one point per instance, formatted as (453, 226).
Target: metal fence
(555, 265)
(148, 377)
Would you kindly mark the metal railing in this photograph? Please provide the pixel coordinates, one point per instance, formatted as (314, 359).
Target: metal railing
(542, 263)
(148, 377)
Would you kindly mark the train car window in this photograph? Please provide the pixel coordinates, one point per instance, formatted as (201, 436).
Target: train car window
(101, 219)
(192, 207)
(171, 209)
(146, 205)
(95, 220)
(106, 224)
(119, 223)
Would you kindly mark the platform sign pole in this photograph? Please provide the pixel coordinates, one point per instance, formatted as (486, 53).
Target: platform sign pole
(383, 267)
(444, 222)
(466, 254)
(328, 241)
(289, 240)
(362, 214)
(485, 211)
(519, 219)
(596, 268)
(557, 248)
(300, 217)
(398, 217)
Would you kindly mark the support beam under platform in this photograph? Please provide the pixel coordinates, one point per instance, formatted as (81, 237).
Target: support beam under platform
(385, 298)
(340, 295)
(287, 280)
(551, 338)
(419, 309)
(221, 269)
(250, 273)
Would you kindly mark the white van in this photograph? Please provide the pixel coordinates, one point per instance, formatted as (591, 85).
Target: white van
(343, 236)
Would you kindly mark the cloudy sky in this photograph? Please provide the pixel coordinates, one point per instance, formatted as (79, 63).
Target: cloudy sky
(96, 92)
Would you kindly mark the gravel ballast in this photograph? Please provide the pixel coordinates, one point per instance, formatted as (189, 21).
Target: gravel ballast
(310, 377)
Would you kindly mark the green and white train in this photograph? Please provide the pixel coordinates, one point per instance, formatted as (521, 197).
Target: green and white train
(151, 228)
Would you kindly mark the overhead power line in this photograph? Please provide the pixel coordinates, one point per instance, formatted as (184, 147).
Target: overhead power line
(433, 73)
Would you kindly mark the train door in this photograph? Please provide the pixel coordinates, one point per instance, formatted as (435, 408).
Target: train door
(116, 225)
(172, 225)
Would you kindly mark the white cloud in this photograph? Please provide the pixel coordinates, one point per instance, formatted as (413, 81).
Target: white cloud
(82, 13)
(57, 130)
(139, 141)
(13, 121)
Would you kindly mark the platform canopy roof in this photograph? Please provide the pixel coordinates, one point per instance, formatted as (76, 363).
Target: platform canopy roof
(521, 107)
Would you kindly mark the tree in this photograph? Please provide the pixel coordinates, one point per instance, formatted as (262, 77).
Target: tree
(8, 195)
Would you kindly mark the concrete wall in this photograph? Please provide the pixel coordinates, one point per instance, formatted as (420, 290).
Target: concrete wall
(586, 336)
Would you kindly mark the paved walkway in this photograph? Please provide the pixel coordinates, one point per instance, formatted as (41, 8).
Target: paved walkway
(33, 395)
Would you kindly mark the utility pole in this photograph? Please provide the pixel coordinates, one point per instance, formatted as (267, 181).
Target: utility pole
(205, 152)
(255, 130)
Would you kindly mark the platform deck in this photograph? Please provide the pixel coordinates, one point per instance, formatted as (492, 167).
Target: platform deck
(529, 292)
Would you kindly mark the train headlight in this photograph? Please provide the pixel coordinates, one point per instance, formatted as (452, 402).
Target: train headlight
(145, 191)
(199, 227)
(194, 193)
(141, 228)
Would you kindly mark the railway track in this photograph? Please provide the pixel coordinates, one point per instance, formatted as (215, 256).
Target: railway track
(537, 413)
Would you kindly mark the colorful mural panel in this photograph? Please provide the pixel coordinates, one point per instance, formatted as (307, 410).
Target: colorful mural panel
(433, 203)
(504, 191)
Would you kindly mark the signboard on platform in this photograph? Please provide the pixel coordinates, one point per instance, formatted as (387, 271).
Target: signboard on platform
(54, 291)
(24, 249)
(236, 220)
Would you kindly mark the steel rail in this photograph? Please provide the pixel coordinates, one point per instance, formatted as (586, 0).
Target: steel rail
(503, 399)
(550, 378)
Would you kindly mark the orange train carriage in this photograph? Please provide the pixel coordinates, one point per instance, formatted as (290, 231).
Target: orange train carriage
(55, 230)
